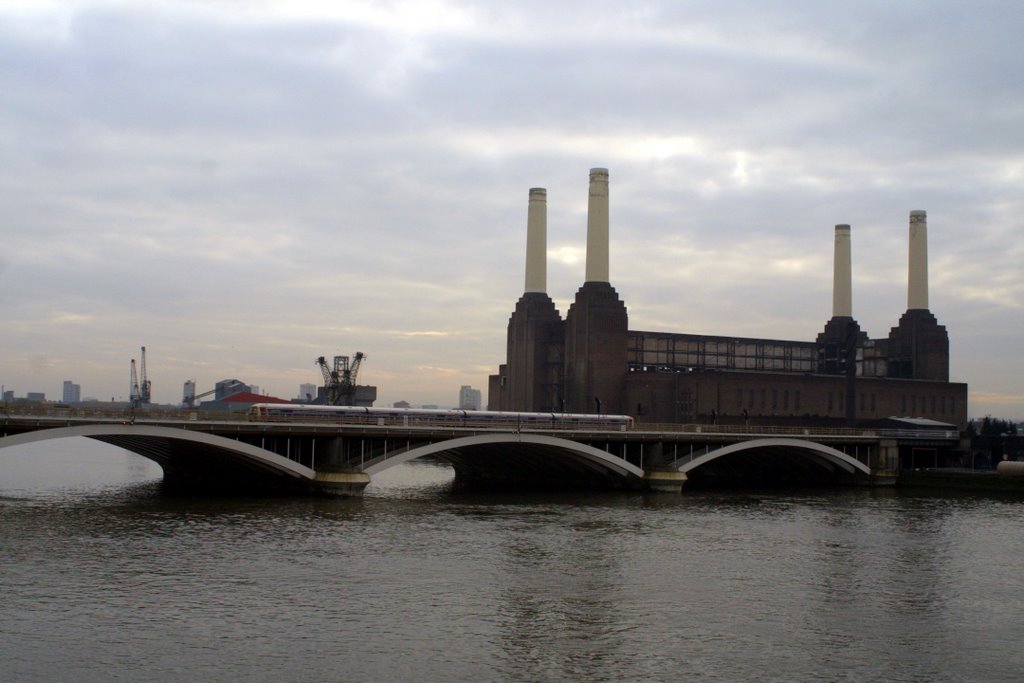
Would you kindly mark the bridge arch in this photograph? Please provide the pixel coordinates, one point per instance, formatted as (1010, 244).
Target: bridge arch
(535, 456)
(825, 456)
(185, 456)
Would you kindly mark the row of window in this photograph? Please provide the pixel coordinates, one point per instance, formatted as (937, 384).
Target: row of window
(779, 399)
(909, 405)
(865, 401)
(927, 405)
(683, 352)
(758, 398)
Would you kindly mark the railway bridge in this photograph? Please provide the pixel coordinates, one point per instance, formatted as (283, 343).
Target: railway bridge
(232, 454)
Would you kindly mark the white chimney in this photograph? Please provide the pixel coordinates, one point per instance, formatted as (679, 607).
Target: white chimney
(597, 226)
(842, 297)
(537, 241)
(917, 273)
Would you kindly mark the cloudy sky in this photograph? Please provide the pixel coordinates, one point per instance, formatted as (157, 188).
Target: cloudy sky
(244, 186)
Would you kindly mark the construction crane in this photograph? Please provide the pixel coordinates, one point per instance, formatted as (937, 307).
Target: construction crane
(340, 381)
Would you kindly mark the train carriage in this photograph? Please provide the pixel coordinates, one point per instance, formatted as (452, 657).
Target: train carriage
(411, 417)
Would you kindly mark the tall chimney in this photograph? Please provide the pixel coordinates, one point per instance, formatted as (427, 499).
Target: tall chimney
(597, 226)
(917, 273)
(537, 241)
(842, 298)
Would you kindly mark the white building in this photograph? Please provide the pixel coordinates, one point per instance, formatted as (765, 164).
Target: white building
(469, 398)
(72, 392)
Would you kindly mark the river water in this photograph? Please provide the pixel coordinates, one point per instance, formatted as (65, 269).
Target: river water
(105, 578)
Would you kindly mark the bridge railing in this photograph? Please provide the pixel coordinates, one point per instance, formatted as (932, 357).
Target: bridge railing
(731, 430)
(120, 413)
(925, 434)
(753, 429)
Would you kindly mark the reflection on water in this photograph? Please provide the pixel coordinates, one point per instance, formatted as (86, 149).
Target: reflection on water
(70, 468)
(105, 578)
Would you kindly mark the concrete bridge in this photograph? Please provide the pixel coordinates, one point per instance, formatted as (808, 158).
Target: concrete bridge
(234, 455)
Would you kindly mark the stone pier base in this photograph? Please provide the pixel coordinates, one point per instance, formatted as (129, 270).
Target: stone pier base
(884, 478)
(664, 481)
(340, 484)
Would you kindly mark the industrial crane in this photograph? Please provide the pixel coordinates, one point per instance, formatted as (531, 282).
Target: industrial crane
(134, 398)
(141, 391)
(145, 386)
(340, 381)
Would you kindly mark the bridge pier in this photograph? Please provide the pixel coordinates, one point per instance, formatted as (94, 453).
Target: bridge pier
(335, 476)
(886, 465)
(659, 475)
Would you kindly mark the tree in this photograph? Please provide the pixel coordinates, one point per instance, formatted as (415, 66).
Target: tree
(993, 426)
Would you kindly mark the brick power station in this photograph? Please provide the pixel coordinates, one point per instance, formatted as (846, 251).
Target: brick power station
(592, 362)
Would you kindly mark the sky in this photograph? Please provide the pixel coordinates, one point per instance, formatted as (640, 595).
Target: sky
(242, 187)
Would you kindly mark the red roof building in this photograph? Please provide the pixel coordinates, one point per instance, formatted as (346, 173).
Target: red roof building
(249, 397)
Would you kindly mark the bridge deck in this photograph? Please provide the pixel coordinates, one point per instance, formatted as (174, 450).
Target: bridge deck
(190, 448)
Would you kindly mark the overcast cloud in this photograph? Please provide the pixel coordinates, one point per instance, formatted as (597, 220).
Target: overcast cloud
(242, 187)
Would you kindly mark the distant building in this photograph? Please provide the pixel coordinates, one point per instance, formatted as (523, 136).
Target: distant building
(469, 398)
(307, 392)
(35, 396)
(72, 392)
(400, 404)
(8, 395)
(227, 387)
(221, 390)
(363, 396)
(240, 402)
(94, 403)
(189, 392)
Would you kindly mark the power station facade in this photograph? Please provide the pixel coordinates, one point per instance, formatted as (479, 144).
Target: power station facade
(592, 362)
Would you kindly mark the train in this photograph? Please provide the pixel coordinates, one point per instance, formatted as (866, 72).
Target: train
(424, 417)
